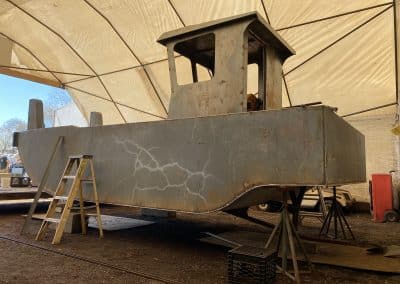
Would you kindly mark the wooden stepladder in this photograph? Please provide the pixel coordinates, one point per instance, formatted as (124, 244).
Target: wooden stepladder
(66, 199)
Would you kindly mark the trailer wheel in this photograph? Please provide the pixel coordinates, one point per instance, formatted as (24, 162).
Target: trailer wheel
(391, 216)
(270, 206)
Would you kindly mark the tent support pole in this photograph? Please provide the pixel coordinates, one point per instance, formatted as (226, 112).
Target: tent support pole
(396, 144)
(396, 13)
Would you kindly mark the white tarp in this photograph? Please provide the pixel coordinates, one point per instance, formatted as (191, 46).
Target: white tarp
(110, 47)
(69, 115)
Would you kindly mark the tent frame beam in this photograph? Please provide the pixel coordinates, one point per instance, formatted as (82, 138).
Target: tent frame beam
(130, 50)
(32, 78)
(265, 11)
(287, 89)
(118, 103)
(7, 70)
(339, 39)
(72, 49)
(334, 16)
(120, 70)
(176, 13)
(283, 75)
(43, 70)
(369, 109)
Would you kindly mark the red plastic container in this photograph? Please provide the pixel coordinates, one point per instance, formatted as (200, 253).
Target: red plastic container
(382, 196)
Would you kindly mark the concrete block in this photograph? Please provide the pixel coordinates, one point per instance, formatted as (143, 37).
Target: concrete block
(73, 225)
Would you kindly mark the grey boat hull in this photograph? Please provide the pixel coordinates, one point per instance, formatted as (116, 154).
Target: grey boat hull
(209, 163)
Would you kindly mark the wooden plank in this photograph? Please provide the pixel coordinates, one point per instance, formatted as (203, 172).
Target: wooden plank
(30, 77)
(325, 253)
(81, 209)
(43, 182)
(96, 199)
(25, 201)
(68, 177)
(19, 193)
(53, 220)
(60, 197)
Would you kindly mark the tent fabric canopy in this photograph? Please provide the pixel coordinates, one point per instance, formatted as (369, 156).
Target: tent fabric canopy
(106, 55)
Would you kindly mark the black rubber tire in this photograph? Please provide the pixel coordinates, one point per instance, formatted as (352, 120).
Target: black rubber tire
(391, 216)
(263, 207)
(275, 206)
(328, 204)
(270, 206)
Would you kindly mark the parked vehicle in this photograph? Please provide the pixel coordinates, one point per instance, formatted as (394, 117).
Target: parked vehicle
(3, 164)
(19, 177)
(311, 200)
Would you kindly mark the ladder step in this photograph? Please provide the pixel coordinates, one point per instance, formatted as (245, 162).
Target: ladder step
(82, 180)
(312, 214)
(81, 157)
(84, 207)
(69, 177)
(59, 197)
(93, 215)
(53, 220)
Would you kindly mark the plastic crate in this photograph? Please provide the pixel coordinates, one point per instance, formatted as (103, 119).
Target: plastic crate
(251, 265)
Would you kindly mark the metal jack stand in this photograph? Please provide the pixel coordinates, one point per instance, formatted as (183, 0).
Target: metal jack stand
(338, 217)
(287, 236)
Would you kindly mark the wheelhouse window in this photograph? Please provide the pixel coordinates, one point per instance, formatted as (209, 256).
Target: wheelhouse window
(255, 73)
(197, 60)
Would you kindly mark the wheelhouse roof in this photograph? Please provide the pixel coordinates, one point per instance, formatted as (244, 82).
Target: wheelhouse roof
(258, 26)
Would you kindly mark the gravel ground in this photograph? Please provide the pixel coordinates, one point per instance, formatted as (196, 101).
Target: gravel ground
(168, 249)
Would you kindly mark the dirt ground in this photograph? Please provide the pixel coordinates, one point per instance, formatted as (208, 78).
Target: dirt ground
(168, 250)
